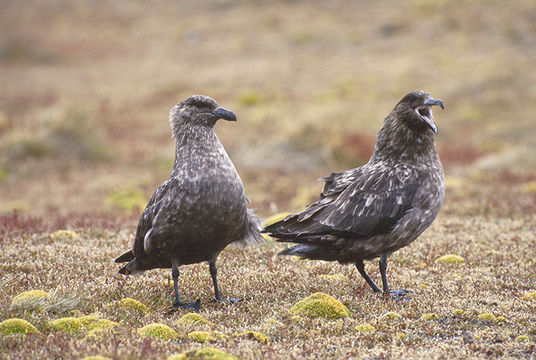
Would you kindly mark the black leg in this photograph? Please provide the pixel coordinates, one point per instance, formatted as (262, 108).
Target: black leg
(397, 294)
(178, 304)
(383, 272)
(361, 268)
(217, 293)
(214, 274)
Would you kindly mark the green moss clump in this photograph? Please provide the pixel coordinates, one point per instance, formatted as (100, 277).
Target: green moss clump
(207, 353)
(488, 317)
(17, 326)
(159, 331)
(334, 277)
(320, 305)
(450, 259)
(65, 234)
(521, 338)
(33, 299)
(92, 323)
(132, 304)
(529, 296)
(96, 357)
(391, 315)
(459, 312)
(193, 318)
(365, 328)
(429, 316)
(253, 335)
(68, 324)
(201, 336)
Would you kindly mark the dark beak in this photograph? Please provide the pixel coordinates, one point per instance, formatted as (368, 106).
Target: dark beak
(221, 113)
(437, 102)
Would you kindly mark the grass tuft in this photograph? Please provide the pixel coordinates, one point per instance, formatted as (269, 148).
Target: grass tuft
(320, 305)
(17, 326)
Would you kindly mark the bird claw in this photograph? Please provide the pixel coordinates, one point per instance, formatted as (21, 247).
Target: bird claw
(399, 294)
(195, 306)
(227, 301)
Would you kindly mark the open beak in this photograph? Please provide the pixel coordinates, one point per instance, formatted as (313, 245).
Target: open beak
(425, 112)
(221, 113)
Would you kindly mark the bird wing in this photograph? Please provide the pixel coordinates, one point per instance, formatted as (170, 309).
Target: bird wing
(146, 220)
(361, 203)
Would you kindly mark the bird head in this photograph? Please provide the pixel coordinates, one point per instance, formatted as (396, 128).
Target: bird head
(198, 110)
(416, 110)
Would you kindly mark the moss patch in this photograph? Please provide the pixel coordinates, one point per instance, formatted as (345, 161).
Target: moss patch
(92, 322)
(132, 304)
(429, 316)
(365, 329)
(65, 234)
(17, 326)
(488, 317)
(207, 353)
(159, 331)
(69, 325)
(529, 296)
(96, 357)
(450, 259)
(201, 336)
(193, 319)
(320, 305)
(32, 299)
(391, 315)
(253, 335)
(333, 277)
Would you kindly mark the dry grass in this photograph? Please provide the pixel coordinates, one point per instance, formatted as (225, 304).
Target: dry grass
(477, 304)
(84, 140)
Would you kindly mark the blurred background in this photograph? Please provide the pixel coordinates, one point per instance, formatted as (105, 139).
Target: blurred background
(86, 87)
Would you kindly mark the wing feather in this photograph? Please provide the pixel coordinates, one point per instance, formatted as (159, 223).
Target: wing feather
(359, 203)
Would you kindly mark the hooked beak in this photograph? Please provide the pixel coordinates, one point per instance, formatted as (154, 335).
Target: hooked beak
(221, 113)
(425, 112)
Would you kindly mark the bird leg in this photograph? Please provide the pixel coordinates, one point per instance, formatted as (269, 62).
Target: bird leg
(361, 268)
(397, 294)
(217, 293)
(195, 306)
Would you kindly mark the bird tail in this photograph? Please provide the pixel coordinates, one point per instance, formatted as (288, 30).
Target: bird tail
(128, 256)
(312, 252)
(253, 232)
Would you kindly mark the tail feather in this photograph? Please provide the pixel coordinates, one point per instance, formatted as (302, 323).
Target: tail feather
(312, 252)
(253, 234)
(128, 256)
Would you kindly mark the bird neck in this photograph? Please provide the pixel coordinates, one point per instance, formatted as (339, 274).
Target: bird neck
(397, 142)
(193, 143)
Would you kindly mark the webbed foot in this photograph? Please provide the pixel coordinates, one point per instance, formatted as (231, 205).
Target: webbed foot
(195, 306)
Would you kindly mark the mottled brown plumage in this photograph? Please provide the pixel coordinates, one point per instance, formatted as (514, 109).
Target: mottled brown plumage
(201, 208)
(380, 207)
